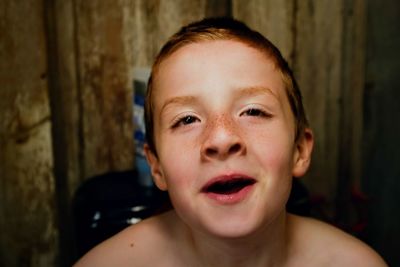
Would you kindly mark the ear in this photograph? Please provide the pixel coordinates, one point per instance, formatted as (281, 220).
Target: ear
(302, 154)
(156, 170)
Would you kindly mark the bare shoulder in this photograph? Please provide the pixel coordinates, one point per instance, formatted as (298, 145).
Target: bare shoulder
(327, 245)
(134, 246)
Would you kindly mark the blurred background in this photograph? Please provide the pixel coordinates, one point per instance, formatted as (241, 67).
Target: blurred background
(66, 107)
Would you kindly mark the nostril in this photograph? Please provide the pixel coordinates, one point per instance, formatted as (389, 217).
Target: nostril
(235, 148)
(211, 152)
(220, 152)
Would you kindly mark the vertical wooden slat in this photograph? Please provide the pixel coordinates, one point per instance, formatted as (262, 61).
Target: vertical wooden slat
(317, 66)
(381, 128)
(27, 189)
(105, 89)
(351, 120)
(65, 111)
(152, 22)
(64, 92)
(273, 18)
(218, 8)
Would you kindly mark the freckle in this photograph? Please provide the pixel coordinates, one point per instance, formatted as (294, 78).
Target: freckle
(225, 122)
(131, 245)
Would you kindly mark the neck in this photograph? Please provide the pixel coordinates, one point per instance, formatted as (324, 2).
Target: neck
(266, 247)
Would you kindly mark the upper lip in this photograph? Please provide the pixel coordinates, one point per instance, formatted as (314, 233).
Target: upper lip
(226, 179)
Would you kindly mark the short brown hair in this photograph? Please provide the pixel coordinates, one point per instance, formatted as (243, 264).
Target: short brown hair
(211, 29)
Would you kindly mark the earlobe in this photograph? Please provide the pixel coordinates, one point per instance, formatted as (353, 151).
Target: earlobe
(302, 155)
(156, 170)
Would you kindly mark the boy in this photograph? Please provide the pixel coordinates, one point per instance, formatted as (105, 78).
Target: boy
(226, 133)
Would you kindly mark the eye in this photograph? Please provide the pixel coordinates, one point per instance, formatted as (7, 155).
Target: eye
(255, 112)
(186, 120)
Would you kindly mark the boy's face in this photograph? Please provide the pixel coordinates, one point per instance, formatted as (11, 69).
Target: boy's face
(224, 133)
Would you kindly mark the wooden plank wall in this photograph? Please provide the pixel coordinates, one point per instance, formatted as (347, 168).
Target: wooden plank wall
(381, 129)
(28, 231)
(74, 60)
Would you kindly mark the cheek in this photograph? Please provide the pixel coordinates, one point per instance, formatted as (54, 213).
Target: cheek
(178, 149)
(180, 174)
(177, 162)
(275, 153)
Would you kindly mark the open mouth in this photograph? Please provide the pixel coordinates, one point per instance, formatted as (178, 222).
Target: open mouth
(229, 186)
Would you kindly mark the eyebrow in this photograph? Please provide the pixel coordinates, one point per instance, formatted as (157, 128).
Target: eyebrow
(255, 90)
(240, 92)
(179, 100)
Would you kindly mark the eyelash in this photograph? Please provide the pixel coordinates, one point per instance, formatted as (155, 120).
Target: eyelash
(189, 119)
(185, 120)
(259, 113)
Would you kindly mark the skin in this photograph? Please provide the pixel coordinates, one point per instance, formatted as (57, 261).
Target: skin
(221, 111)
(223, 138)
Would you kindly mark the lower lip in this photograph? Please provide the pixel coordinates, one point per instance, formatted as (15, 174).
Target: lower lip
(230, 199)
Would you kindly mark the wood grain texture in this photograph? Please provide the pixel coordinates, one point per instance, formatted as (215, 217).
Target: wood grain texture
(274, 19)
(352, 108)
(27, 188)
(105, 91)
(65, 118)
(381, 128)
(152, 22)
(317, 66)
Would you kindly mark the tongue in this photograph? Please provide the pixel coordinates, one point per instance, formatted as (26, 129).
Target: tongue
(229, 187)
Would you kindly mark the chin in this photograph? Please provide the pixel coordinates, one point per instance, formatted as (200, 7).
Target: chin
(233, 233)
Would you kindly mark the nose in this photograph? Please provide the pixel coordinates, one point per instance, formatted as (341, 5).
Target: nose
(222, 140)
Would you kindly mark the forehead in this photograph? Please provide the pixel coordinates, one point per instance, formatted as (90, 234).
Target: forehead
(197, 63)
(218, 49)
